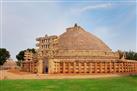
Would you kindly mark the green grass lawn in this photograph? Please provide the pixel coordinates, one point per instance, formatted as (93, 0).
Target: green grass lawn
(106, 84)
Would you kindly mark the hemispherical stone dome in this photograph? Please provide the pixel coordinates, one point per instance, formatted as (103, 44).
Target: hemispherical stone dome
(76, 38)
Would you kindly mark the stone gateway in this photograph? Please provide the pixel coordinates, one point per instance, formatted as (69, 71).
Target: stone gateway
(75, 52)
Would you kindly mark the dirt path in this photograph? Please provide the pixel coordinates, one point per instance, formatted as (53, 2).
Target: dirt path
(5, 74)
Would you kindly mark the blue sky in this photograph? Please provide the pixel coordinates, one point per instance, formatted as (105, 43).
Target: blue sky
(112, 21)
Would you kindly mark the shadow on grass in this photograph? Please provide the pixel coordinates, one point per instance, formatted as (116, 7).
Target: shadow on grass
(133, 76)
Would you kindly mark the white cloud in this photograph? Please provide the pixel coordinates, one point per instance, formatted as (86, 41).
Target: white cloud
(91, 7)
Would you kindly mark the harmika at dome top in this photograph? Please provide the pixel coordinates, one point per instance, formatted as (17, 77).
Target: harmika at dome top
(76, 38)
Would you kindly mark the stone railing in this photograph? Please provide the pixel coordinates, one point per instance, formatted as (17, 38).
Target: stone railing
(90, 53)
(90, 67)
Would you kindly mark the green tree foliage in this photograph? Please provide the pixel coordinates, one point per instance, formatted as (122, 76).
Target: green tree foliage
(32, 50)
(4, 55)
(20, 55)
(131, 55)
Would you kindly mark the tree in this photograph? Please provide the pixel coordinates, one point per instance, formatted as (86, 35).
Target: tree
(4, 55)
(135, 56)
(131, 55)
(20, 55)
(32, 50)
